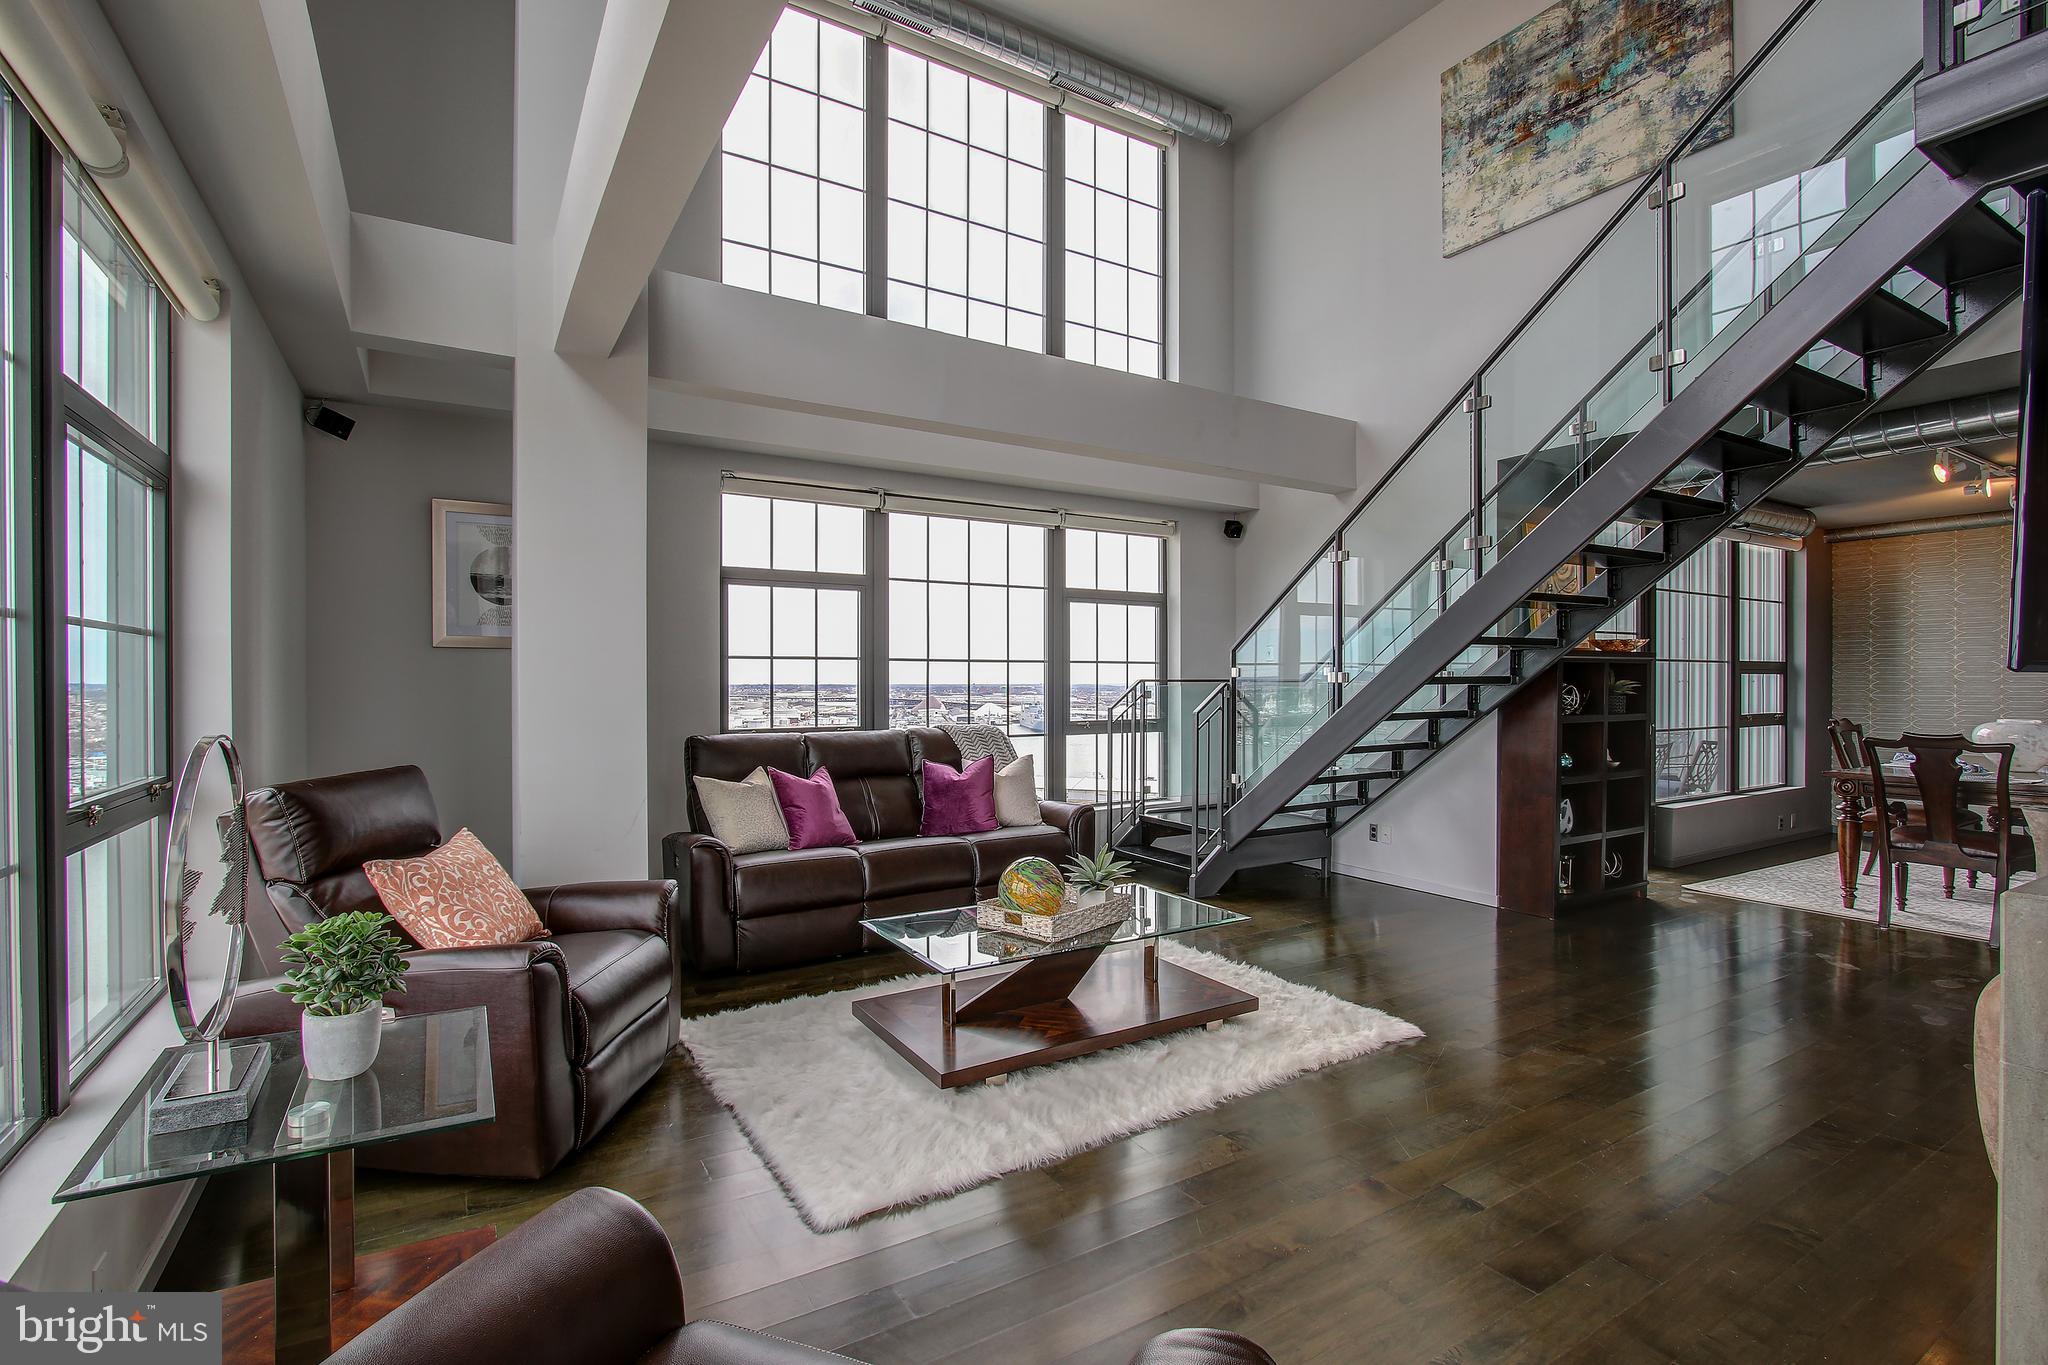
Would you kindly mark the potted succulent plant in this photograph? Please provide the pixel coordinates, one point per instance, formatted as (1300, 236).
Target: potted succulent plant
(338, 970)
(1093, 879)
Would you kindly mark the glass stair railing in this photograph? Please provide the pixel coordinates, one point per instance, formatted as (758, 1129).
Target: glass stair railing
(1805, 147)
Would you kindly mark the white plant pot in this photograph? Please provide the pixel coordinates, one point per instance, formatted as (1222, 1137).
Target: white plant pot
(1088, 898)
(336, 1047)
(2029, 740)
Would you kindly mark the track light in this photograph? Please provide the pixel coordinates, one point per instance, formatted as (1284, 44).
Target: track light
(1944, 467)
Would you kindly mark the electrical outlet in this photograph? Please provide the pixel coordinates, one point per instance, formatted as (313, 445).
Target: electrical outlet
(99, 1271)
(1372, 833)
(1781, 824)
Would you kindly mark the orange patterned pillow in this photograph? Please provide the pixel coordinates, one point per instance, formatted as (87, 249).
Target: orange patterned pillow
(458, 896)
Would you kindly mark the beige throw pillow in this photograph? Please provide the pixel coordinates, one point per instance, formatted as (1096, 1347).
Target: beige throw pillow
(745, 815)
(1017, 792)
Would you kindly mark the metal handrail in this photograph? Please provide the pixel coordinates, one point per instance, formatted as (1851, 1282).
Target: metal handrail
(1651, 180)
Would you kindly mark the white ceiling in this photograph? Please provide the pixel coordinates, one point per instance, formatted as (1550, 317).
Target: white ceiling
(1251, 59)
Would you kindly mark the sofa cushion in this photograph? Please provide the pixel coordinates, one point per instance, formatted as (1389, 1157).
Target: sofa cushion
(804, 879)
(901, 867)
(615, 977)
(876, 774)
(745, 816)
(997, 849)
(730, 758)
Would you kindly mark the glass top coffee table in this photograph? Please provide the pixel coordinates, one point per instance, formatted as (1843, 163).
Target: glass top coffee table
(1055, 1001)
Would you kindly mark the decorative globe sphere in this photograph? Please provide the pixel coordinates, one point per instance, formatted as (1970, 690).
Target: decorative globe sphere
(1032, 886)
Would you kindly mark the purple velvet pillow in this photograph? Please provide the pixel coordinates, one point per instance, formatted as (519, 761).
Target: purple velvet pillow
(962, 802)
(810, 807)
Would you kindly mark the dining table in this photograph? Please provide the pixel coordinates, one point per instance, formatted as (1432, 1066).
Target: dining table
(1853, 796)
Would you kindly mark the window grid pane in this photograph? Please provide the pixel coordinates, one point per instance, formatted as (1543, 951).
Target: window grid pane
(795, 166)
(967, 624)
(1112, 642)
(20, 1055)
(1723, 624)
(114, 952)
(112, 323)
(114, 643)
(966, 204)
(1114, 296)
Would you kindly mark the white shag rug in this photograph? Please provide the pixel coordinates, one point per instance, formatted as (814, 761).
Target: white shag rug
(850, 1129)
(1816, 884)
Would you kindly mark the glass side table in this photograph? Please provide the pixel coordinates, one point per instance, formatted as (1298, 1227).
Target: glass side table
(433, 1072)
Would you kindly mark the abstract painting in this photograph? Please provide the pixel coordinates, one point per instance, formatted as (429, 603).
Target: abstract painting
(1586, 95)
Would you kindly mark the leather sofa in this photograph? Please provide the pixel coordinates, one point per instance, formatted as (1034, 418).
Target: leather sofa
(518, 1300)
(579, 1020)
(753, 912)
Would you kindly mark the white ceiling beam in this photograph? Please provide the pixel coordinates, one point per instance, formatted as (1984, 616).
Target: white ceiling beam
(430, 292)
(665, 75)
(676, 414)
(720, 341)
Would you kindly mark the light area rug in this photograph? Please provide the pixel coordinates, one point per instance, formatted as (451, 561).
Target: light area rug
(850, 1129)
(1816, 884)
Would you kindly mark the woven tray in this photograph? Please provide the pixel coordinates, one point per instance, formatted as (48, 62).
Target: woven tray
(1069, 922)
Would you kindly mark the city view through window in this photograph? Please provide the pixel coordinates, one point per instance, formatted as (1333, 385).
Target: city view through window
(959, 617)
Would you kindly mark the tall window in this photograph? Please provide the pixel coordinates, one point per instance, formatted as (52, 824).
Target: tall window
(967, 613)
(794, 581)
(20, 1055)
(977, 203)
(1723, 633)
(1115, 313)
(1116, 636)
(966, 204)
(843, 616)
(795, 167)
(114, 473)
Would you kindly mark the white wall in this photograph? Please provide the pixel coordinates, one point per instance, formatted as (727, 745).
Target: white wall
(379, 693)
(1345, 304)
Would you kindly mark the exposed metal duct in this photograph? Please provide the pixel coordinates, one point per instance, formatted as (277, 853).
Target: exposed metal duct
(1975, 522)
(1961, 421)
(1775, 518)
(1061, 64)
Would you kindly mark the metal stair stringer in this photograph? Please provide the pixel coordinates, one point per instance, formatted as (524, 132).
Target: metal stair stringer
(1895, 232)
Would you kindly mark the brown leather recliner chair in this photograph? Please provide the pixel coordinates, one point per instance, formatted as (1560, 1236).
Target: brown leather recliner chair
(579, 1021)
(515, 1301)
(753, 912)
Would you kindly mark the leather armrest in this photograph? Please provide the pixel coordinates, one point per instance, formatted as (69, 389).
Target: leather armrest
(588, 906)
(591, 1277)
(701, 867)
(1076, 820)
(439, 979)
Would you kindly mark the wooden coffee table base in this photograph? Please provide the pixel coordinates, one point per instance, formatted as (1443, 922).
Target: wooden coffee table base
(1047, 1010)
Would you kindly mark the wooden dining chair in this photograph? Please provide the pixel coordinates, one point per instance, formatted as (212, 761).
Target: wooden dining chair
(1845, 737)
(1939, 833)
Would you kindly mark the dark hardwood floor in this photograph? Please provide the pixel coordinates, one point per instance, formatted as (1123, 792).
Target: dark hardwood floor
(1678, 1129)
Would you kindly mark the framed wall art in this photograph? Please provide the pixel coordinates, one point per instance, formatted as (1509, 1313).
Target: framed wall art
(472, 574)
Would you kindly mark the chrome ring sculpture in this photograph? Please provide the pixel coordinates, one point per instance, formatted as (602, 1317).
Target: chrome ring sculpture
(181, 879)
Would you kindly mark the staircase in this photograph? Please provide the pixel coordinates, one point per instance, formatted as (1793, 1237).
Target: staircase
(1796, 258)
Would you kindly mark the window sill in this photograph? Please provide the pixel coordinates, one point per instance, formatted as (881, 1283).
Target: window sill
(42, 1163)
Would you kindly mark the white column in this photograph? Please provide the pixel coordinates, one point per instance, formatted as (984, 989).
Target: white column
(579, 491)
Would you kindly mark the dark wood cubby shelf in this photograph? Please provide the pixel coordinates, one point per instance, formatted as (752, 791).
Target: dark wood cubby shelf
(1609, 784)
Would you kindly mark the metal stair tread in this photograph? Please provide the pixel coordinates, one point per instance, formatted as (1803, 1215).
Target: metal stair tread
(1977, 243)
(1881, 322)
